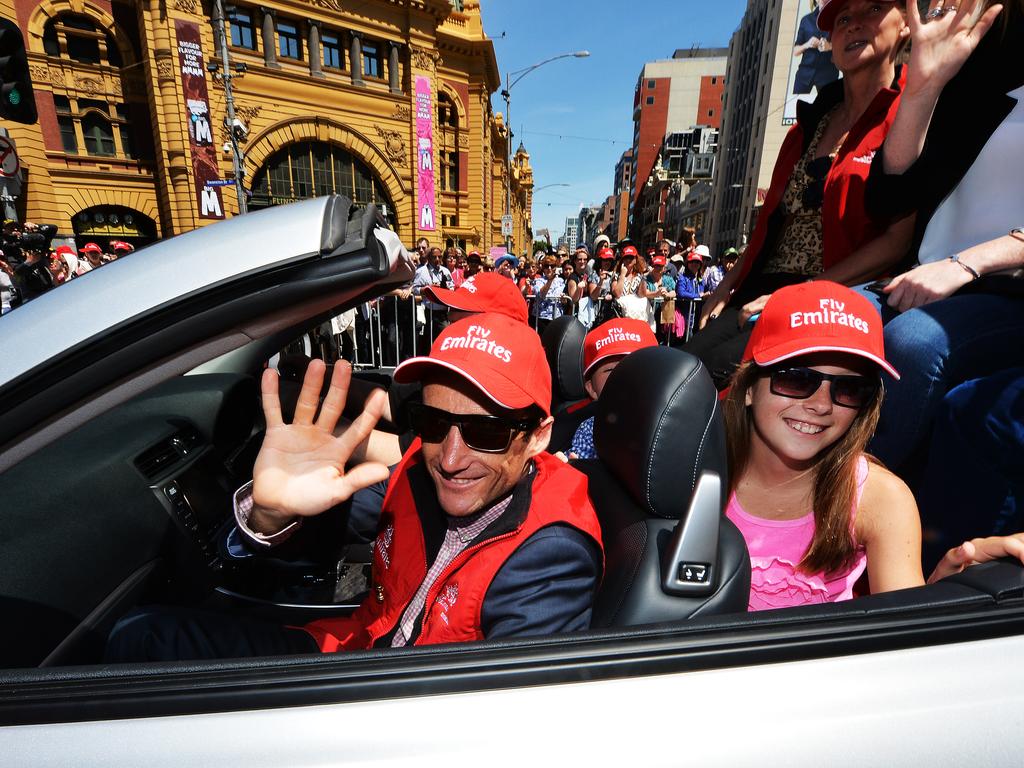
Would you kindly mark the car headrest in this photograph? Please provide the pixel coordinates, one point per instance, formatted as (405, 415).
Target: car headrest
(563, 345)
(658, 426)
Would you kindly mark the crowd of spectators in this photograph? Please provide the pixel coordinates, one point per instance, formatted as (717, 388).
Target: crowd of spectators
(31, 265)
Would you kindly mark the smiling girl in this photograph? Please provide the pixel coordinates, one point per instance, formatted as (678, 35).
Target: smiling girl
(815, 510)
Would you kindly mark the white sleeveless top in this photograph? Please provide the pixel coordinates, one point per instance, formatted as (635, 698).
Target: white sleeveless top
(987, 203)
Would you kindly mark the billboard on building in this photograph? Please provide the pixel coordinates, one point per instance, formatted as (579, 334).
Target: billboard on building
(811, 66)
(426, 205)
(200, 126)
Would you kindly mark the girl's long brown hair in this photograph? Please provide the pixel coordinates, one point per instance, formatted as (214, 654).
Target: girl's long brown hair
(835, 472)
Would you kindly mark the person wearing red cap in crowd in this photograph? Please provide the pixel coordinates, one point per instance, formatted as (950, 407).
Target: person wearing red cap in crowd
(629, 289)
(814, 222)
(816, 511)
(603, 349)
(93, 255)
(483, 533)
(75, 265)
(121, 248)
(604, 295)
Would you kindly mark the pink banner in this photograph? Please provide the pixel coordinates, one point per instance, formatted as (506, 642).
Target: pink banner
(426, 202)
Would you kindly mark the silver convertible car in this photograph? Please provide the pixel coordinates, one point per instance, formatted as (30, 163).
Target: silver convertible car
(129, 413)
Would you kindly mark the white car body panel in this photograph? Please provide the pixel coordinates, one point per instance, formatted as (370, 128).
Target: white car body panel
(909, 707)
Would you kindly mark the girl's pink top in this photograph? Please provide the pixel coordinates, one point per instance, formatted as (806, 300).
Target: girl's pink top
(777, 546)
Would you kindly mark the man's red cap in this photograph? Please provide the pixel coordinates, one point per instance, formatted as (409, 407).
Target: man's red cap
(121, 245)
(658, 261)
(65, 249)
(90, 248)
(630, 250)
(616, 337)
(484, 292)
(828, 10)
(819, 316)
(501, 357)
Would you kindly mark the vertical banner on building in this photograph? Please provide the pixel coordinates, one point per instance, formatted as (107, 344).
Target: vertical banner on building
(426, 203)
(811, 67)
(197, 114)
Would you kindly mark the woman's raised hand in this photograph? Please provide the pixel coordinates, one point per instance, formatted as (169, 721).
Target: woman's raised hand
(943, 40)
(300, 469)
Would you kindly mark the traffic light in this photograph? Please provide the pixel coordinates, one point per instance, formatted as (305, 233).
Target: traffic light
(17, 101)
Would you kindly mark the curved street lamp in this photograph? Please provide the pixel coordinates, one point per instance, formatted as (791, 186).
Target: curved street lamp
(519, 74)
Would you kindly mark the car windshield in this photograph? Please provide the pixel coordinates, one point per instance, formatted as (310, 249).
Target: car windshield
(710, 272)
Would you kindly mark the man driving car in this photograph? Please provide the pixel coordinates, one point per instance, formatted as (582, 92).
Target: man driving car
(483, 534)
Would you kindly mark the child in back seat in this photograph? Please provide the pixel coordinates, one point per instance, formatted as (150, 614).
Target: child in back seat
(815, 510)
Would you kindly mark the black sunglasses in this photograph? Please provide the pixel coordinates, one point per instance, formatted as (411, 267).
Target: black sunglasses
(487, 434)
(817, 170)
(849, 391)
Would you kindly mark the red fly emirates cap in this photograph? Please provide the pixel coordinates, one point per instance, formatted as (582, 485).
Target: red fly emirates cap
(501, 357)
(818, 316)
(616, 337)
(484, 292)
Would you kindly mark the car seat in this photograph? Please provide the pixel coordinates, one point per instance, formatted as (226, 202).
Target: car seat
(563, 345)
(659, 487)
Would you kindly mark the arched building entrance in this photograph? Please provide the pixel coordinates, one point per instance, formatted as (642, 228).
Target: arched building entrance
(103, 223)
(314, 168)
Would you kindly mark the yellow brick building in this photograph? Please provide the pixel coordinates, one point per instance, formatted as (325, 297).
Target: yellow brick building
(126, 145)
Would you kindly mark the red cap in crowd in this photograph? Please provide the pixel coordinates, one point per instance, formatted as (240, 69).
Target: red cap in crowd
(501, 357)
(606, 254)
(121, 245)
(90, 248)
(616, 337)
(694, 256)
(484, 292)
(629, 250)
(819, 316)
(828, 10)
(658, 261)
(65, 250)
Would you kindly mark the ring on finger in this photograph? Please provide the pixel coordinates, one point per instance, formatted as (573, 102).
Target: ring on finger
(935, 13)
(950, 9)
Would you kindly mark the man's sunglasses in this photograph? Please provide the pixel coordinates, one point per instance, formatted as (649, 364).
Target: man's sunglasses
(849, 391)
(487, 434)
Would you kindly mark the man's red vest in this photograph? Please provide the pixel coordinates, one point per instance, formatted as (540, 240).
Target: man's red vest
(557, 493)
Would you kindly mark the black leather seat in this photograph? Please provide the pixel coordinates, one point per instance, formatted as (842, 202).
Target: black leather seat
(563, 345)
(659, 488)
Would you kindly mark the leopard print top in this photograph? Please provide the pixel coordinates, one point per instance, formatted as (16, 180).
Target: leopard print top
(799, 247)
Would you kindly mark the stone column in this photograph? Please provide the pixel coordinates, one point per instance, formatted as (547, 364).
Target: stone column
(315, 57)
(269, 42)
(356, 59)
(393, 74)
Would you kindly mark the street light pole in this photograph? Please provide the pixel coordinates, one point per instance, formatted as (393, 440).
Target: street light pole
(237, 158)
(506, 94)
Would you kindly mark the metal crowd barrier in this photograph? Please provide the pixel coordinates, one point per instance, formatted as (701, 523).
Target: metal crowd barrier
(390, 330)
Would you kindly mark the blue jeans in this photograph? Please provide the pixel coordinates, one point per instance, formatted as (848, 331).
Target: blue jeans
(974, 484)
(935, 348)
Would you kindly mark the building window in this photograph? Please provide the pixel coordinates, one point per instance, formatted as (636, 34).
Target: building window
(711, 113)
(449, 171)
(83, 41)
(447, 114)
(310, 169)
(650, 99)
(243, 30)
(66, 124)
(714, 81)
(289, 45)
(650, 85)
(99, 136)
(330, 44)
(372, 66)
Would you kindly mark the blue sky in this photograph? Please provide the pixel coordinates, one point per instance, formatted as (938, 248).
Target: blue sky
(591, 97)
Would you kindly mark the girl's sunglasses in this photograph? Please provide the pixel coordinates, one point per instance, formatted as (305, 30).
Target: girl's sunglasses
(487, 434)
(849, 391)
